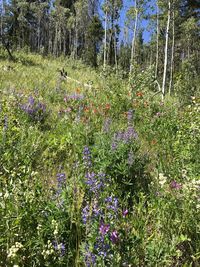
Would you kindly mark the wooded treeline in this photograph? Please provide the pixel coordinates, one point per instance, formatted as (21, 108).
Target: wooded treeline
(90, 30)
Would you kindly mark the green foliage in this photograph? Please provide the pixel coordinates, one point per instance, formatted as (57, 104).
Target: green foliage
(93, 37)
(108, 177)
(187, 82)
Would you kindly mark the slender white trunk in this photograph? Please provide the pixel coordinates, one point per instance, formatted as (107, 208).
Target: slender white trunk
(134, 39)
(172, 56)
(56, 41)
(166, 50)
(39, 25)
(64, 41)
(76, 44)
(115, 44)
(2, 14)
(105, 38)
(157, 40)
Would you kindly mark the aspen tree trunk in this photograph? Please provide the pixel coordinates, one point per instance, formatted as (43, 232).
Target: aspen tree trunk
(76, 44)
(115, 44)
(56, 41)
(172, 56)
(105, 39)
(166, 50)
(2, 13)
(151, 56)
(157, 40)
(134, 38)
(39, 25)
(64, 41)
(60, 40)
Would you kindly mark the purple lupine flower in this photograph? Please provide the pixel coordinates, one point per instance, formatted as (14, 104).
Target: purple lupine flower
(104, 228)
(61, 179)
(106, 126)
(130, 158)
(125, 213)
(59, 247)
(114, 237)
(85, 214)
(124, 136)
(175, 185)
(90, 258)
(130, 116)
(62, 249)
(119, 136)
(96, 210)
(31, 100)
(101, 247)
(87, 157)
(112, 203)
(130, 134)
(74, 96)
(36, 110)
(91, 181)
(101, 180)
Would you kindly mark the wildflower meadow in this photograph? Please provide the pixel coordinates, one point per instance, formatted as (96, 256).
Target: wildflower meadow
(106, 175)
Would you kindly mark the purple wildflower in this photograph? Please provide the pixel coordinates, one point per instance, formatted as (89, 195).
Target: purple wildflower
(90, 258)
(101, 247)
(87, 157)
(124, 136)
(130, 158)
(59, 247)
(31, 100)
(96, 210)
(129, 135)
(95, 182)
(61, 179)
(62, 249)
(114, 237)
(112, 203)
(175, 185)
(85, 214)
(74, 96)
(125, 213)
(35, 109)
(104, 228)
(91, 181)
(107, 124)
(130, 116)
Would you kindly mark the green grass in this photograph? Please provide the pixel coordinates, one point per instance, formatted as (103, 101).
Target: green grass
(58, 210)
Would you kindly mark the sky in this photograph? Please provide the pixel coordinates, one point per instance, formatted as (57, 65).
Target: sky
(144, 24)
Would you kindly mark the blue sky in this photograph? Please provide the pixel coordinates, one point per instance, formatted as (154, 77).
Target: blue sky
(144, 24)
(126, 5)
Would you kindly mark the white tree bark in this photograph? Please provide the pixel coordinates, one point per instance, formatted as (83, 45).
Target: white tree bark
(166, 50)
(115, 44)
(105, 38)
(172, 55)
(2, 14)
(134, 39)
(157, 40)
